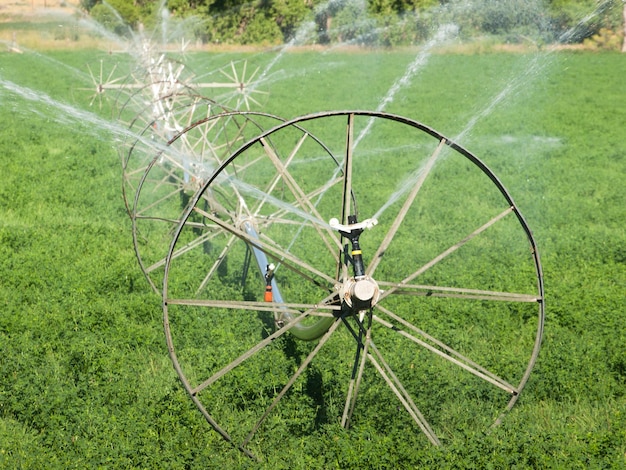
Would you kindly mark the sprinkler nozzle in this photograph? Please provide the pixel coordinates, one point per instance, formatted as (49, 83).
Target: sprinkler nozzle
(269, 275)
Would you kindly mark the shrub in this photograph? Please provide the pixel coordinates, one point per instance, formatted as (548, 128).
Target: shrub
(605, 40)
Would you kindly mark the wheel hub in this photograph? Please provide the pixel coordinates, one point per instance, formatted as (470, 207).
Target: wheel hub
(360, 294)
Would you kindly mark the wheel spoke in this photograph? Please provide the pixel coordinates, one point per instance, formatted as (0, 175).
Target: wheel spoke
(302, 200)
(292, 380)
(447, 252)
(347, 172)
(313, 309)
(140, 213)
(357, 369)
(296, 265)
(256, 348)
(457, 292)
(182, 250)
(281, 212)
(398, 389)
(422, 174)
(218, 261)
(444, 351)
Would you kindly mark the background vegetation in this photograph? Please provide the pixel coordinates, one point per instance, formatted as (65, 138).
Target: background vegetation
(374, 23)
(85, 380)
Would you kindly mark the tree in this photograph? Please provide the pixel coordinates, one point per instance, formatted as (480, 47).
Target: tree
(624, 16)
(380, 22)
(119, 16)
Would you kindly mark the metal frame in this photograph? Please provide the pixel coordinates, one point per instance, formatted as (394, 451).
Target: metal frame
(357, 300)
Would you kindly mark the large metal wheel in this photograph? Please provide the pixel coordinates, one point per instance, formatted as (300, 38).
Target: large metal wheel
(169, 161)
(353, 269)
(154, 123)
(158, 102)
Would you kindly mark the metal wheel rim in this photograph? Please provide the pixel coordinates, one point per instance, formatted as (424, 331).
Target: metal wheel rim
(362, 329)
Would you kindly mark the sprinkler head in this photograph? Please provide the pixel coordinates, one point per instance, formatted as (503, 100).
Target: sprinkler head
(349, 229)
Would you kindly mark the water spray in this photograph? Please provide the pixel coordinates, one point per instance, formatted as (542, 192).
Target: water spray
(223, 189)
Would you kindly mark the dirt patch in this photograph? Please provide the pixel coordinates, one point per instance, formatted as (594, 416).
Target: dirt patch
(42, 24)
(37, 10)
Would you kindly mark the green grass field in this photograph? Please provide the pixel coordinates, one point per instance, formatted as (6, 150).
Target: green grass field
(85, 378)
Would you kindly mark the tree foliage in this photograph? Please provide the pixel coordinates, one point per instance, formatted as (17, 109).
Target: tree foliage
(119, 16)
(375, 22)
